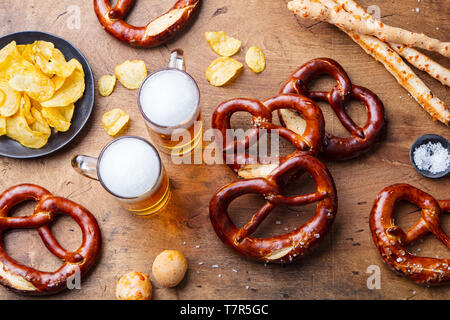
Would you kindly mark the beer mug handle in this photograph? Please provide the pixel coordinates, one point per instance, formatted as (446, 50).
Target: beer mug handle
(85, 165)
(176, 60)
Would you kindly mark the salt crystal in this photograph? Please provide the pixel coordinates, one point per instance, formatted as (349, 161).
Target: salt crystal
(215, 265)
(432, 157)
(197, 246)
(417, 9)
(278, 222)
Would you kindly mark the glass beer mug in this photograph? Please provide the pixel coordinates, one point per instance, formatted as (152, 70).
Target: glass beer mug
(131, 170)
(169, 101)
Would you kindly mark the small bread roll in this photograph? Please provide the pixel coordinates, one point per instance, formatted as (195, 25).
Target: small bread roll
(169, 268)
(134, 286)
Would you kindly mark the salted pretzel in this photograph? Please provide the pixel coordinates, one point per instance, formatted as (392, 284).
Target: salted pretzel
(282, 248)
(154, 33)
(391, 240)
(361, 139)
(235, 150)
(28, 280)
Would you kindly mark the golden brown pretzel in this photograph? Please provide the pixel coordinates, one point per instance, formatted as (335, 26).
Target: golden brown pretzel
(153, 34)
(391, 240)
(361, 139)
(287, 247)
(31, 281)
(243, 162)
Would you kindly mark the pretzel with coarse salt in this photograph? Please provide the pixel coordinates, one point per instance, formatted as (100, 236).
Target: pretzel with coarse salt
(382, 52)
(353, 22)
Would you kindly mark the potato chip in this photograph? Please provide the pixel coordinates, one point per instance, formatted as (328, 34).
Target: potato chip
(223, 70)
(2, 126)
(21, 48)
(114, 121)
(58, 81)
(38, 89)
(6, 53)
(255, 59)
(50, 60)
(106, 85)
(25, 108)
(40, 125)
(22, 75)
(67, 112)
(17, 128)
(222, 44)
(71, 90)
(131, 73)
(58, 118)
(77, 65)
(9, 100)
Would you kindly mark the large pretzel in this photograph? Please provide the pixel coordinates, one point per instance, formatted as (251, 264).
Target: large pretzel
(391, 240)
(242, 162)
(153, 34)
(31, 281)
(361, 139)
(287, 247)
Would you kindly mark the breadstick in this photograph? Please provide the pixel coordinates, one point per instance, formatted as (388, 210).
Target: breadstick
(404, 75)
(423, 63)
(397, 67)
(416, 58)
(335, 15)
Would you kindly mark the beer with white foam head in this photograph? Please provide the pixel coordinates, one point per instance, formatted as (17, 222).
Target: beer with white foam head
(169, 101)
(129, 168)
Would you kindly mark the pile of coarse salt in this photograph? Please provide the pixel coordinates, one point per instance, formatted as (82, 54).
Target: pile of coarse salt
(432, 157)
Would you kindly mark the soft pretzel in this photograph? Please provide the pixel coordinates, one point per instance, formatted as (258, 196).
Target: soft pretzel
(391, 240)
(153, 34)
(361, 139)
(369, 26)
(290, 246)
(28, 280)
(235, 152)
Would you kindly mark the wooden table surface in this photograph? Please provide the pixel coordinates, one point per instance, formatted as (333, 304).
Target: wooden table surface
(338, 268)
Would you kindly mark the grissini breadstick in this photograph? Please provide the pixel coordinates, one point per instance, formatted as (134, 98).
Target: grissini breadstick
(382, 52)
(404, 75)
(335, 15)
(414, 57)
(423, 63)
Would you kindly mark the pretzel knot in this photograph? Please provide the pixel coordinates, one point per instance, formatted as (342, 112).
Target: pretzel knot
(287, 247)
(391, 240)
(154, 33)
(31, 281)
(235, 151)
(361, 139)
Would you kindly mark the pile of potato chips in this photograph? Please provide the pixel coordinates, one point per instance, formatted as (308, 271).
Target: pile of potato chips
(38, 89)
(225, 69)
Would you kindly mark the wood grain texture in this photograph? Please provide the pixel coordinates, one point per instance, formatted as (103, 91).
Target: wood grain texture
(337, 270)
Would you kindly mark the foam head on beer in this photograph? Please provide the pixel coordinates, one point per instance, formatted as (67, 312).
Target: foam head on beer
(170, 98)
(129, 167)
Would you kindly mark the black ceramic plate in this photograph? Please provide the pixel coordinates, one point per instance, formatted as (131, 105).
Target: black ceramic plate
(83, 107)
(424, 140)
